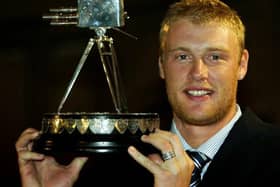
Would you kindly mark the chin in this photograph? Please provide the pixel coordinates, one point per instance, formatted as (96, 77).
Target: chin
(201, 117)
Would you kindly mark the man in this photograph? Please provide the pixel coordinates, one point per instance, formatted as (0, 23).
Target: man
(202, 58)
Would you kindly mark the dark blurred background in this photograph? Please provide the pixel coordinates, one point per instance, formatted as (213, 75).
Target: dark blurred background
(37, 62)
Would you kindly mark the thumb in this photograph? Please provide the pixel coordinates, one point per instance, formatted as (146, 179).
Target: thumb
(77, 164)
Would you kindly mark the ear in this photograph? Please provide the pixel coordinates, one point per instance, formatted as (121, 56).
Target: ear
(243, 64)
(160, 66)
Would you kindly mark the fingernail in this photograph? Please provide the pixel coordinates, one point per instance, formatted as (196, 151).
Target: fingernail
(36, 134)
(143, 137)
(131, 149)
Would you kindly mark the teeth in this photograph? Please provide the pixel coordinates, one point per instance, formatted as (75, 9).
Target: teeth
(198, 92)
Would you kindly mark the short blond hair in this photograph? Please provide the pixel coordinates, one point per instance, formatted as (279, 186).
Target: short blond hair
(203, 12)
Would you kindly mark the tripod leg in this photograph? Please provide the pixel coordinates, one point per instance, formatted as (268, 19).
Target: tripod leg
(110, 66)
(76, 73)
(106, 63)
(120, 96)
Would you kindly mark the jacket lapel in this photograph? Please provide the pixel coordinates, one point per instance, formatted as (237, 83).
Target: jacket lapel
(233, 161)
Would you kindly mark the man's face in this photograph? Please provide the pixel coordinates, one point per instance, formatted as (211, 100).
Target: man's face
(201, 65)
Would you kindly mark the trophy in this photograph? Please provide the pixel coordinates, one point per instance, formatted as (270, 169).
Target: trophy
(98, 132)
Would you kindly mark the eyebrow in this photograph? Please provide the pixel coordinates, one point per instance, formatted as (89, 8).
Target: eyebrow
(179, 49)
(223, 49)
(217, 49)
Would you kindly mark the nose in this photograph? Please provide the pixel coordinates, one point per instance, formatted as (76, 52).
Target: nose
(199, 70)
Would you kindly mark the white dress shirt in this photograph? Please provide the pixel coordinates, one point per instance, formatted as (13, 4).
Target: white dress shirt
(213, 144)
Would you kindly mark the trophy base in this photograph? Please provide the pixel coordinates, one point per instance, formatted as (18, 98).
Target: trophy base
(86, 145)
(92, 133)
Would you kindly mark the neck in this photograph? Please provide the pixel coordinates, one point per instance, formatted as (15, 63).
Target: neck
(196, 135)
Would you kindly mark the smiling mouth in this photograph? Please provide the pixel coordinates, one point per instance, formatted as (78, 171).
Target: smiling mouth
(198, 93)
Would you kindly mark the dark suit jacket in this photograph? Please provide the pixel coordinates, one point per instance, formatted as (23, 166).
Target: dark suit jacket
(247, 158)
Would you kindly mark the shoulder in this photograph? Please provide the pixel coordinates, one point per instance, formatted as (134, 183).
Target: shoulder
(261, 129)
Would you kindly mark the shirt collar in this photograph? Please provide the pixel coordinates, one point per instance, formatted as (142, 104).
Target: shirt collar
(212, 145)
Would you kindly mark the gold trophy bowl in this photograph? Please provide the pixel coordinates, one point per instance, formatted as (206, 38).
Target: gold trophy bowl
(86, 133)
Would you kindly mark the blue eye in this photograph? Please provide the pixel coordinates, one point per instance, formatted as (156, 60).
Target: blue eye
(182, 57)
(215, 57)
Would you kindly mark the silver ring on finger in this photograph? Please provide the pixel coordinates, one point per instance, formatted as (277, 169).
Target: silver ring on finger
(168, 155)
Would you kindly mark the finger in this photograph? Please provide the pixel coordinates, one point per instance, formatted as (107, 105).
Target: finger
(174, 140)
(143, 160)
(76, 165)
(157, 141)
(25, 138)
(25, 156)
(181, 155)
(28, 131)
(156, 158)
(170, 146)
